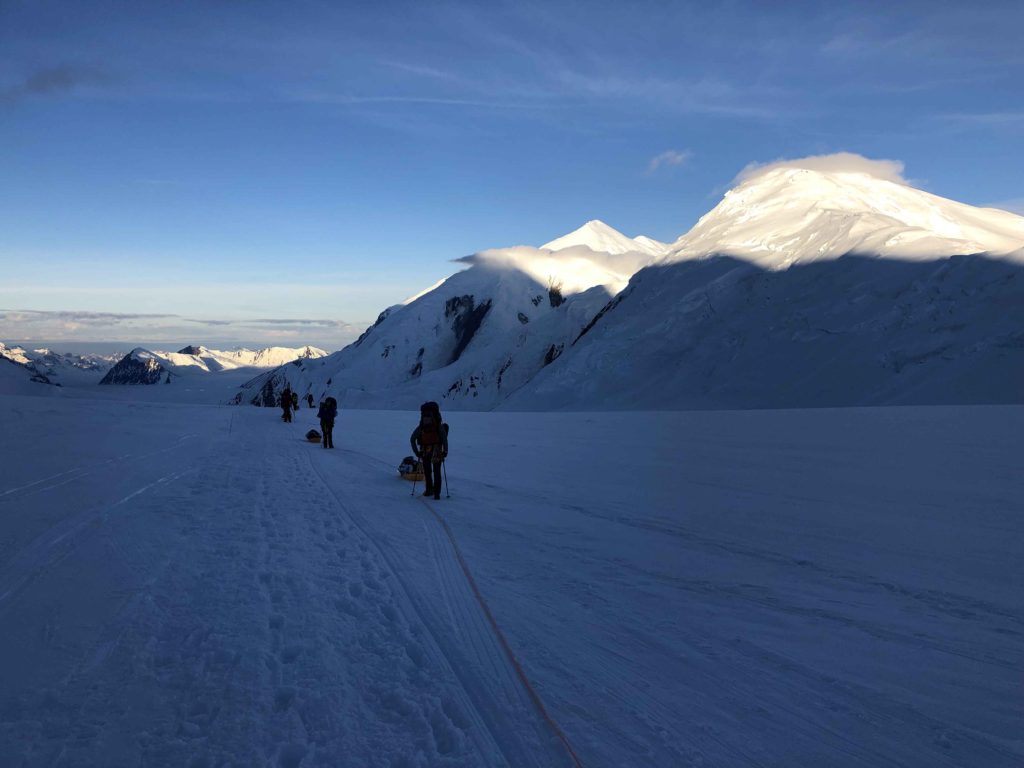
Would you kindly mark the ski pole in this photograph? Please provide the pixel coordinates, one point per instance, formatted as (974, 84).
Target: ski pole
(413, 486)
(447, 493)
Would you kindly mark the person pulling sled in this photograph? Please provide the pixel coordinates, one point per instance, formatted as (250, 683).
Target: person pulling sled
(430, 444)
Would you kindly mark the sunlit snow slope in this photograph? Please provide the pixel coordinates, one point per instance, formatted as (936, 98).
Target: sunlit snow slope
(788, 214)
(477, 336)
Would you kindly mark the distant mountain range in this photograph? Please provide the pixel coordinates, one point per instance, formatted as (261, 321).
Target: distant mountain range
(143, 366)
(19, 366)
(43, 366)
(805, 286)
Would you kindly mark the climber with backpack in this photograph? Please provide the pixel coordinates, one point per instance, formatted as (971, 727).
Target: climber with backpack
(327, 414)
(286, 404)
(430, 444)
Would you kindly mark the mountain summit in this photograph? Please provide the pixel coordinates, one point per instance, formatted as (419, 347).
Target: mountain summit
(787, 214)
(601, 238)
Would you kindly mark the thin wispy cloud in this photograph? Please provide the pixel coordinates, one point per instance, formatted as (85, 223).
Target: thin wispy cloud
(670, 158)
(342, 99)
(421, 70)
(838, 162)
(71, 325)
(706, 96)
(87, 318)
(1007, 119)
(52, 80)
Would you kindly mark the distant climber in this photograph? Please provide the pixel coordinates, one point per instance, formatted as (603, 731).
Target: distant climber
(430, 443)
(286, 404)
(309, 399)
(295, 401)
(327, 414)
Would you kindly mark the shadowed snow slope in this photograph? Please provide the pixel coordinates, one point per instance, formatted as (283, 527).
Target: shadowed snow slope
(472, 339)
(724, 333)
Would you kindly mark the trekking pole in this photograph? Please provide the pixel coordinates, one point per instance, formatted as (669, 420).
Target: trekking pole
(413, 486)
(447, 493)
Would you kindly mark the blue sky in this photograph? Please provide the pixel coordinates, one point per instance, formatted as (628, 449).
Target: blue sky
(314, 161)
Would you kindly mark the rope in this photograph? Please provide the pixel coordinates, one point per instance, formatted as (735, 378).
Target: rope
(520, 673)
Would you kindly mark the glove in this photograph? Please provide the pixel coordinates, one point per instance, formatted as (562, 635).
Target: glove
(419, 454)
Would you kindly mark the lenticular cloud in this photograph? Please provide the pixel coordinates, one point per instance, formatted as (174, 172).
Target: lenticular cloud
(839, 162)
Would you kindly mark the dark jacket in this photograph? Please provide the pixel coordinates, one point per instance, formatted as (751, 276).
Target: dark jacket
(286, 399)
(416, 440)
(327, 412)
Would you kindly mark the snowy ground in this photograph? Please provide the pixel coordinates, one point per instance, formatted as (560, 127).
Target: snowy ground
(196, 585)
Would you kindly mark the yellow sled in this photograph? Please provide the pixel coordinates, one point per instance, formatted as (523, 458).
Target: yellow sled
(411, 469)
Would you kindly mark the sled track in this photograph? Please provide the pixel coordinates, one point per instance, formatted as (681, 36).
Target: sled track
(522, 680)
(513, 660)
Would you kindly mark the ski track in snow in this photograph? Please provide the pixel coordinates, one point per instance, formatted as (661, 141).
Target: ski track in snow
(468, 641)
(274, 629)
(235, 595)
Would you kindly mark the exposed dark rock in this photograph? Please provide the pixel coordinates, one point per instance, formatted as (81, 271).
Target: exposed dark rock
(467, 321)
(380, 319)
(552, 354)
(458, 304)
(505, 366)
(133, 370)
(604, 311)
(523, 318)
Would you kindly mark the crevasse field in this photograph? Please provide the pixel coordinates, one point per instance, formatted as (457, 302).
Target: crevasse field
(191, 585)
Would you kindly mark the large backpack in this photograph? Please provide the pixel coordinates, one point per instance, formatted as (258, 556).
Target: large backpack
(430, 423)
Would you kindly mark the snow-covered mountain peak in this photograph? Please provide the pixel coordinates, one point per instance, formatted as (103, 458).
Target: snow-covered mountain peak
(572, 269)
(599, 237)
(14, 354)
(783, 214)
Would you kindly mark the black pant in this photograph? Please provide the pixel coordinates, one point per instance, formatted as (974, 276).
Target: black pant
(287, 414)
(432, 469)
(327, 427)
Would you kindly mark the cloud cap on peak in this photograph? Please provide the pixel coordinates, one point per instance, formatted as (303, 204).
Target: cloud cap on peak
(838, 162)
